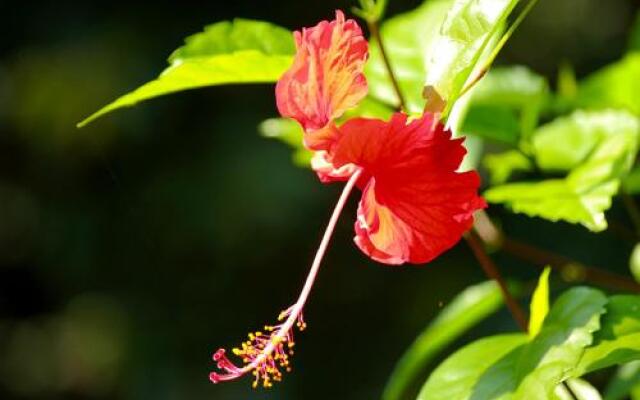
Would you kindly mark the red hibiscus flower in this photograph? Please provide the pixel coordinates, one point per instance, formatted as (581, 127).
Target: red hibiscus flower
(326, 77)
(414, 204)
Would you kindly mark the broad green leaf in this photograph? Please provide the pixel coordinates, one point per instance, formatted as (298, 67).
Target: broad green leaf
(289, 132)
(567, 142)
(501, 166)
(552, 355)
(468, 308)
(469, 28)
(408, 40)
(614, 86)
(460, 375)
(582, 197)
(626, 382)
(514, 367)
(557, 199)
(618, 340)
(242, 51)
(634, 262)
(631, 182)
(539, 307)
(580, 390)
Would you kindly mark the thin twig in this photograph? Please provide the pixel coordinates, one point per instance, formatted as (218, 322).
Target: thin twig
(492, 272)
(570, 269)
(375, 33)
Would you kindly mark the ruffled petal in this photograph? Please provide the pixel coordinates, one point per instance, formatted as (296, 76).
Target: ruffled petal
(326, 77)
(414, 205)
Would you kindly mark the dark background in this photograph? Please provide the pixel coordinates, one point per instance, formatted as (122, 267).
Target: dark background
(131, 249)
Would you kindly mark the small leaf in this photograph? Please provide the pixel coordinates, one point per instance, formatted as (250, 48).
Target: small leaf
(468, 30)
(289, 132)
(242, 51)
(472, 305)
(634, 262)
(539, 307)
(501, 166)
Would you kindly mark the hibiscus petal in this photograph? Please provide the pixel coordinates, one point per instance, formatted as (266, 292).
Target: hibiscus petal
(414, 205)
(326, 77)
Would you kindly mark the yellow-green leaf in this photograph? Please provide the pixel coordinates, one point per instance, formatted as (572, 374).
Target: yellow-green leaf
(539, 307)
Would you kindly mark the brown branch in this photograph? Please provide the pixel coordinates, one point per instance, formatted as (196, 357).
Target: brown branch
(375, 33)
(492, 272)
(570, 269)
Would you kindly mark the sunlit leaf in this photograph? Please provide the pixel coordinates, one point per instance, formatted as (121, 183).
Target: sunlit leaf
(568, 141)
(408, 40)
(468, 308)
(604, 147)
(614, 86)
(539, 307)
(580, 390)
(242, 51)
(501, 166)
(468, 29)
(514, 367)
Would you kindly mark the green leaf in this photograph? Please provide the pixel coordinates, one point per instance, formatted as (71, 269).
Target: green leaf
(567, 142)
(614, 86)
(501, 166)
(618, 340)
(472, 305)
(634, 262)
(468, 30)
(460, 375)
(408, 40)
(539, 307)
(580, 390)
(556, 200)
(631, 182)
(511, 367)
(242, 51)
(608, 140)
(506, 104)
(625, 382)
(289, 132)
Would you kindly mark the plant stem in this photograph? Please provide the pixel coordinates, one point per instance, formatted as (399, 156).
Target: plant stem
(492, 272)
(632, 209)
(570, 269)
(375, 33)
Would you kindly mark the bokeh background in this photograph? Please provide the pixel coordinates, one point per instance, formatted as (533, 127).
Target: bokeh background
(131, 249)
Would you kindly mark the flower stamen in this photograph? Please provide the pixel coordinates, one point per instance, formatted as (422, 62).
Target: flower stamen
(266, 353)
